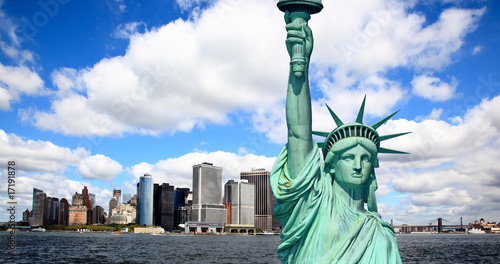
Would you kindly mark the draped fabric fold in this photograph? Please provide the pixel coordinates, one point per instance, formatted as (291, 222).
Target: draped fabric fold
(318, 227)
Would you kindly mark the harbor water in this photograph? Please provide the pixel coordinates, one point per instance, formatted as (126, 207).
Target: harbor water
(61, 247)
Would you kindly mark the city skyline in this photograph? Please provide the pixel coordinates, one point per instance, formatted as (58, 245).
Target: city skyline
(99, 93)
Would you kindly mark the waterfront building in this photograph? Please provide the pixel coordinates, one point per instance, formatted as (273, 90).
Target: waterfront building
(112, 204)
(207, 194)
(204, 227)
(48, 215)
(264, 199)
(77, 215)
(127, 198)
(146, 200)
(38, 207)
(118, 219)
(180, 197)
(53, 211)
(239, 199)
(163, 206)
(138, 206)
(118, 195)
(149, 230)
(127, 213)
(63, 212)
(26, 215)
(180, 203)
(98, 215)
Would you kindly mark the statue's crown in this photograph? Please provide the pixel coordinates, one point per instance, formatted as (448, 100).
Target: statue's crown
(356, 129)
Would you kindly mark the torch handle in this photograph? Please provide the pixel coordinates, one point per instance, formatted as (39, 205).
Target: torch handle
(298, 50)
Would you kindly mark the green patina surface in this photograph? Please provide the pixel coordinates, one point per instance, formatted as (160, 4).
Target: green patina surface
(322, 204)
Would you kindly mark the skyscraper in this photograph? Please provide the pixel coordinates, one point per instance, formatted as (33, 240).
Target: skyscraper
(112, 205)
(118, 195)
(180, 204)
(264, 199)
(207, 194)
(38, 208)
(163, 206)
(240, 199)
(63, 212)
(146, 199)
(86, 198)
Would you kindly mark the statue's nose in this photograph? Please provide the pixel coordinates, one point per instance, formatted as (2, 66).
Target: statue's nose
(357, 163)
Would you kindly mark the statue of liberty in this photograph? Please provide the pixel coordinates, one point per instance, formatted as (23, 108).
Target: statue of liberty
(322, 205)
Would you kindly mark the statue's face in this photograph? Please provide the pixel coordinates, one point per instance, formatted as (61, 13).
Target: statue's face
(353, 168)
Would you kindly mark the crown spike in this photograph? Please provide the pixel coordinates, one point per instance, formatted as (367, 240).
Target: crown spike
(386, 137)
(321, 134)
(381, 122)
(359, 119)
(335, 117)
(391, 151)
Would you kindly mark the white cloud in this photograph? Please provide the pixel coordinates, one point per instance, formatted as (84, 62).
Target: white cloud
(433, 88)
(43, 157)
(179, 172)
(452, 167)
(127, 30)
(192, 73)
(182, 75)
(477, 49)
(99, 167)
(16, 81)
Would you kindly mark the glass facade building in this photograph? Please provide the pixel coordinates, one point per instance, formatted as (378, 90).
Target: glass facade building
(146, 200)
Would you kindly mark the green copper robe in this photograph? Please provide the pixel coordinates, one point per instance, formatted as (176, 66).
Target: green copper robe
(318, 227)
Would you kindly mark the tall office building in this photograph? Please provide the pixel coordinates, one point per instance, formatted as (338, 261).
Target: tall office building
(264, 199)
(146, 200)
(53, 209)
(112, 205)
(38, 207)
(180, 206)
(86, 198)
(207, 194)
(180, 197)
(63, 212)
(138, 205)
(239, 199)
(163, 206)
(98, 215)
(118, 195)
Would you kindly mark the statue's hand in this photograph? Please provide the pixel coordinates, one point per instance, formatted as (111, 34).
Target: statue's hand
(299, 32)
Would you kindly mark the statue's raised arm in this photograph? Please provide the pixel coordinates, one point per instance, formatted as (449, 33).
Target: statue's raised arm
(299, 44)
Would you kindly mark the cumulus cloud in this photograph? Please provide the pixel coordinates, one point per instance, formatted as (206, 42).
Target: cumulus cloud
(99, 167)
(433, 88)
(182, 75)
(451, 166)
(179, 172)
(194, 72)
(43, 165)
(16, 81)
(45, 157)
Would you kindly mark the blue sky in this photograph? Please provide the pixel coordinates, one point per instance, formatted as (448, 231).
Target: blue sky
(97, 93)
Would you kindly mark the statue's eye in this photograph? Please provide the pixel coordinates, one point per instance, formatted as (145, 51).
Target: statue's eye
(365, 158)
(347, 157)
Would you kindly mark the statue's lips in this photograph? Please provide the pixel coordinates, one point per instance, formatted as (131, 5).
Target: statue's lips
(356, 175)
